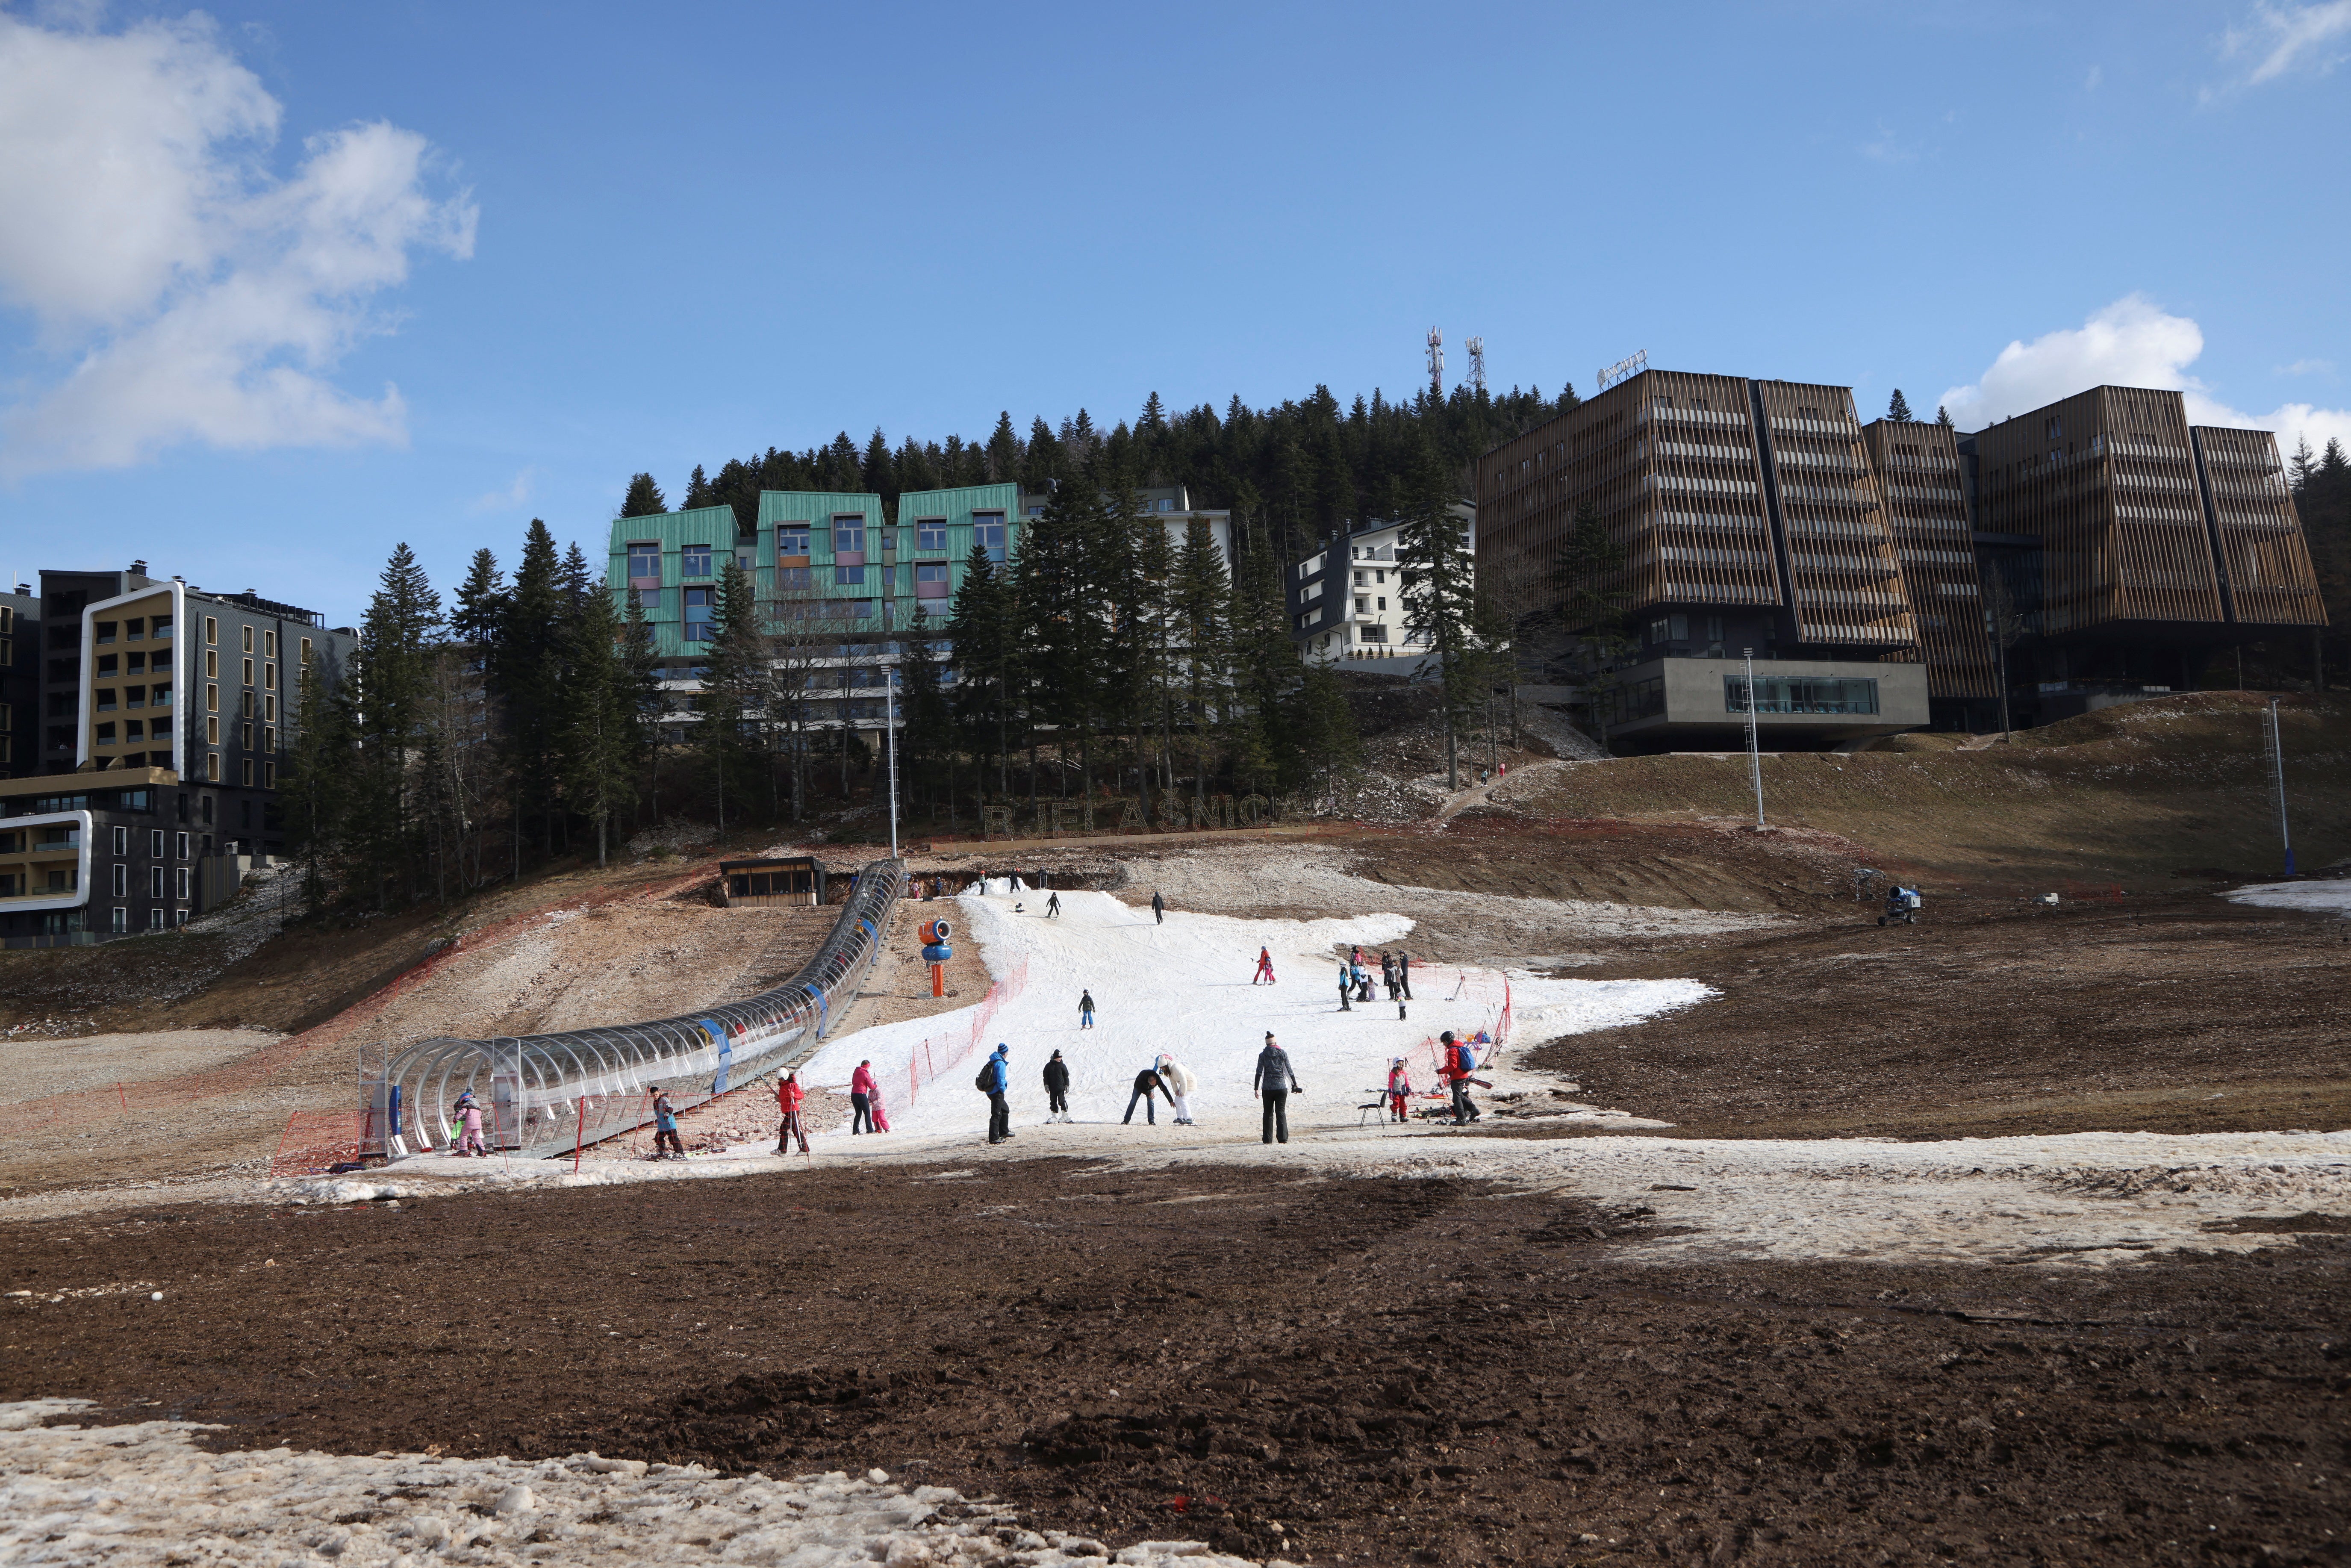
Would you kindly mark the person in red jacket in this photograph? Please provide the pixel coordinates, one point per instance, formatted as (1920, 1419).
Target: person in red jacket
(1399, 1090)
(861, 1097)
(789, 1097)
(1264, 976)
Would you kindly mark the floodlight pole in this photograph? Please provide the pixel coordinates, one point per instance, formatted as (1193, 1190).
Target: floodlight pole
(2277, 783)
(890, 725)
(1754, 755)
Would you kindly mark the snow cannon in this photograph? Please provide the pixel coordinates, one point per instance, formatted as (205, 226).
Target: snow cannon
(935, 952)
(937, 931)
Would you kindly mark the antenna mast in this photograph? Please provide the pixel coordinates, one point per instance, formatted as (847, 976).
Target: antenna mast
(1476, 347)
(1436, 364)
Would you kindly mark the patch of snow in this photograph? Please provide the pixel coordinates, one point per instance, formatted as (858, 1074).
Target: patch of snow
(144, 1494)
(2319, 897)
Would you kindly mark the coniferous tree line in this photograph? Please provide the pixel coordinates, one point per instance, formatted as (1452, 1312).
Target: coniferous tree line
(2321, 494)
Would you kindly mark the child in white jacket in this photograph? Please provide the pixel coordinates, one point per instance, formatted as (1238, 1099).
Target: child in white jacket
(1180, 1080)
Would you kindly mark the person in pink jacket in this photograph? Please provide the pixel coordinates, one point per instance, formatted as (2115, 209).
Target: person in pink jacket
(1399, 1090)
(860, 1096)
(469, 1119)
(881, 1117)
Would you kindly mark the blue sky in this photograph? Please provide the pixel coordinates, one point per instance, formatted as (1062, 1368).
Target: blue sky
(291, 283)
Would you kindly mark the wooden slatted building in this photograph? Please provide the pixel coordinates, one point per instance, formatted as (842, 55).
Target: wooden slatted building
(2265, 567)
(1920, 481)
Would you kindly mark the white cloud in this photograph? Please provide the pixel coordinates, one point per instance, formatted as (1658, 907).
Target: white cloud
(2134, 343)
(513, 497)
(189, 294)
(2315, 36)
(2308, 368)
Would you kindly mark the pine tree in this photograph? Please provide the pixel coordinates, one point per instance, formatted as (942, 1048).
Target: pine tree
(1440, 601)
(733, 699)
(1321, 725)
(320, 750)
(1202, 602)
(526, 677)
(481, 602)
(698, 492)
(2300, 467)
(391, 668)
(1942, 416)
(1899, 409)
(983, 624)
(644, 498)
(1004, 451)
(601, 718)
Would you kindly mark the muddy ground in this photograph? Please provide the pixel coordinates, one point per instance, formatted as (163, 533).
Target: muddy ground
(1367, 1372)
(2184, 1013)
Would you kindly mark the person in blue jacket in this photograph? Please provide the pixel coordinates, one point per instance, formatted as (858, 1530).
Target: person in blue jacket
(999, 1079)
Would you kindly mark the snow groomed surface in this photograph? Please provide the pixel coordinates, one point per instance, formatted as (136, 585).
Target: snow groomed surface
(544, 1095)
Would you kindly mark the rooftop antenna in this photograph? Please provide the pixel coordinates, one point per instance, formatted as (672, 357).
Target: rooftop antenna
(1436, 363)
(1476, 347)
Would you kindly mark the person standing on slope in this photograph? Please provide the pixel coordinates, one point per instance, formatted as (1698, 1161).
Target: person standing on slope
(1158, 908)
(1460, 1061)
(1085, 1010)
(665, 1141)
(1147, 1086)
(860, 1099)
(1273, 1084)
(1404, 973)
(469, 1124)
(881, 1117)
(1179, 1081)
(1264, 976)
(1399, 1089)
(1054, 907)
(1387, 973)
(996, 1080)
(789, 1097)
(1057, 1088)
(1346, 987)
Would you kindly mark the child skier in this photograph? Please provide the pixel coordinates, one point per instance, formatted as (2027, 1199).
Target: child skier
(789, 1097)
(1264, 974)
(1399, 1090)
(469, 1118)
(1179, 1081)
(1085, 1010)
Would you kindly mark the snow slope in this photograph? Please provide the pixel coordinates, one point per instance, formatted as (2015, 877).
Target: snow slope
(1183, 988)
(2319, 897)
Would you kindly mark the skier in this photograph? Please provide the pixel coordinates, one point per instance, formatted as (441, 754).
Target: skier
(664, 1127)
(1387, 974)
(1057, 1088)
(1085, 1010)
(469, 1119)
(789, 1097)
(860, 1099)
(1158, 908)
(1460, 1061)
(1273, 1084)
(1363, 983)
(1054, 907)
(994, 1079)
(1179, 1081)
(1346, 987)
(1404, 973)
(1399, 1089)
(1147, 1086)
(1264, 974)
(881, 1117)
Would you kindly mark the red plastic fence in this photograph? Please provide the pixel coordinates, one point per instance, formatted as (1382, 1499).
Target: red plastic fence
(942, 1054)
(315, 1140)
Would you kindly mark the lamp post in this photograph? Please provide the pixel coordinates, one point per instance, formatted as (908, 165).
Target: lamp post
(2277, 783)
(889, 739)
(1754, 756)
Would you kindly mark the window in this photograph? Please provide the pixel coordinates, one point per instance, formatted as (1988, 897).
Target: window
(269, 678)
(185, 877)
(269, 644)
(1802, 695)
(268, 738)
(155, 846)
(987, 532)
(103, 631)
(269, 708)
(248, 672)
(1374, 634)
(1360, 578)
(693, 561)
(162, 626)
(134, 629)
(212, 629)
(155, 882)
(155, 915)
(270, 776)
(105, 697)
(122, 879)
(1383, 603)
(847, 576)
(1714, 628)
(212, 699)
(211, 665)
(305, 649)
(849, 535)
(212, 766)
(644, 563)
(2056, 432)
(248, 765)
(792, 541)
(184, 841)
(1363, 604)
(179, 917)
(700, 605)
(248, 638)
(105, 734)
(930, 533)
(160, 696)
(123, 841)
(121, 920)
(244, 738)
(794, 579)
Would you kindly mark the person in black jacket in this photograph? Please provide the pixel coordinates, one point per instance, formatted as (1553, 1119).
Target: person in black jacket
(1057, 1088)
(1158, 908)
(1146, 1085)
(1273, 1084)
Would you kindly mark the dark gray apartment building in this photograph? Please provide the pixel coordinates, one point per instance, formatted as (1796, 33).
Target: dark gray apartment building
(146, 783)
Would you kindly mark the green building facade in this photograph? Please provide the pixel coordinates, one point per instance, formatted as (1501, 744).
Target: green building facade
(829, 558)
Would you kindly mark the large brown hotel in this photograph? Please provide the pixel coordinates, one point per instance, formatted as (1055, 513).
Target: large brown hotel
(2122, 546)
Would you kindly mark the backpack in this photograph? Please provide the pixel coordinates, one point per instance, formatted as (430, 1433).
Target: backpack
(1464, 1060)
(985, 1081)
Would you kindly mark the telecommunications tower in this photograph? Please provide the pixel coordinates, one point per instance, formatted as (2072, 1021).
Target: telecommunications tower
(1436, 364)
(1476, 347)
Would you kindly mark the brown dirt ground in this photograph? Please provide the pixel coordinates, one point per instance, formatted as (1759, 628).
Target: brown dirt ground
(1367, 1372)
(2179, 1014)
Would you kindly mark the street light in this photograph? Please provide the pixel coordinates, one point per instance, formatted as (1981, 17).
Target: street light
(889, 739)
(1754, 757)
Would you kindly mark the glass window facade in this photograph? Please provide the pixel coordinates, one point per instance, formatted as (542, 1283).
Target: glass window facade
(988, 531)
(1802, 694)
(930, 533)
(700, 605)
(693, 561)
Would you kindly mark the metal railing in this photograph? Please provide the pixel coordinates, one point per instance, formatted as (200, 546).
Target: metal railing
(542, 1094)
